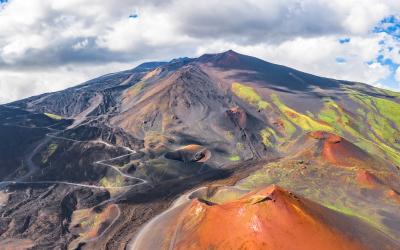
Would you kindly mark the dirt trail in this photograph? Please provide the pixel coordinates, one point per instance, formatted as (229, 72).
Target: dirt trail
(141, 241)
(127, 80)
(55, 135)
(29, 158)
(94, 103)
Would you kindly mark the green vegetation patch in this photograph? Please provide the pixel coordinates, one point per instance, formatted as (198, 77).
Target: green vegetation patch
(228, 135)
(51, 149)
(91, 221)
(135, 89)
(338, 119)
(289, 128)
(305, 122)
(349, 212)
(268, 135)
(117, 181)
(226, 195)
(382, 122)
(335, 188)
(248, 94)
(389, 109)
(54, 116)
(234, 158)
(239, 146)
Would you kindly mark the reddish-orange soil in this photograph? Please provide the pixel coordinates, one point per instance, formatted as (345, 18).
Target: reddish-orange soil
(367, 178)
(238, 115)
(339, 151)
(192, 152)
(194, 148)
(393, 195)
(270, 218)
(92, 224)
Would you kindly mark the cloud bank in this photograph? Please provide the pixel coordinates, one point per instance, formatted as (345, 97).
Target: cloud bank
(47, 45)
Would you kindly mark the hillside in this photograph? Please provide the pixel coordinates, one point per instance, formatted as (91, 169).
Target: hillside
(88, 166)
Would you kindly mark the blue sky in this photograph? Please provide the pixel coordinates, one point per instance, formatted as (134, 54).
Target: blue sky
(388, 50)
(344, 40)
(48, 45)
(390, 27)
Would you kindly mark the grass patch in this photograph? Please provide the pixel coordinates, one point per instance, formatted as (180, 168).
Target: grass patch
(51, 149)
(222, 196)
(151, 74)
(53, 116)
(92, 222)
(117, 181)
(337, 118)
(349, 212)
(305, 122)
(389, 109)
(382, 123)
(234, 158)
(249, 95)
(288, 126)
(268, 135)
(135, 89)
(240, 146)
(228, 135)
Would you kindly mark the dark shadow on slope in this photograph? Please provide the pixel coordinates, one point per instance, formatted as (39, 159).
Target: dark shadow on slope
(171, 188)
(267, 73)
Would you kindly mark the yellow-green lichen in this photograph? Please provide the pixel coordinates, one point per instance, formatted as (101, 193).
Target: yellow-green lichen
(51, 149)
(228, 135)
(337, 118)
(349, 212)
(381, 119)
(54, 116)
(234, 158)
(239, 146)
(135, 89)
(117, 181)
(289, 128)
(268, 136)
(248, 94)
(305, 122)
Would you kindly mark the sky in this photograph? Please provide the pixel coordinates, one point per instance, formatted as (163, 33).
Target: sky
(49, 45)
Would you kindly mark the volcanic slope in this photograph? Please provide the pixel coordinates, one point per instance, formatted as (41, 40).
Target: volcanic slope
(269, 218)
(141, 137)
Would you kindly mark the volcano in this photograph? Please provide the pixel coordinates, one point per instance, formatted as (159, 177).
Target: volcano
(223, 151)
(271, 218)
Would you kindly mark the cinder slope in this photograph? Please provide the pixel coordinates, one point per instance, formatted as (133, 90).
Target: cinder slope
(271, 218)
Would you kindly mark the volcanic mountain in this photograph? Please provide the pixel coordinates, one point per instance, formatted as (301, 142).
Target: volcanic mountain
(108, 163)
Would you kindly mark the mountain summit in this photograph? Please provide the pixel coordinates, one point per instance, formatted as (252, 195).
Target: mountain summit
(98, 165)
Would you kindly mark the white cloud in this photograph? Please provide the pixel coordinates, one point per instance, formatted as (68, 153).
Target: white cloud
(392, 50)
(47, 45)
(363, 16)
(317, 56)
(16, 85)
(397, 75)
